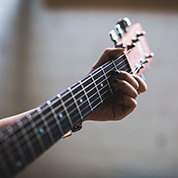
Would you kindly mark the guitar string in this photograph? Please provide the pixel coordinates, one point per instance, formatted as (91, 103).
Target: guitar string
(90, 77)
(96, 95)
(80, 104)
(92, 82)
(92, 95)
(33, 141)
(87, 91)
(82, 91)
(55, 124)
(101, 82)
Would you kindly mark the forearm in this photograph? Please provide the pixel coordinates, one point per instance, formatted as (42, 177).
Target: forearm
(5, 122)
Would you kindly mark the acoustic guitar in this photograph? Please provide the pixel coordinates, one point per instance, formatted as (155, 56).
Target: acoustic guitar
(24, 141)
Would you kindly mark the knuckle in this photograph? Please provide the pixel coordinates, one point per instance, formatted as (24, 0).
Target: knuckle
(107, 50)
(135, 94)
(136, 86)
(125, 74)
(123, 83)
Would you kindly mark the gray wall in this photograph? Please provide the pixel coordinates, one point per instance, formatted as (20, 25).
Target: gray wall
(43, 51)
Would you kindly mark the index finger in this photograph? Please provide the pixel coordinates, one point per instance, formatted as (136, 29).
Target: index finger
(108, 54)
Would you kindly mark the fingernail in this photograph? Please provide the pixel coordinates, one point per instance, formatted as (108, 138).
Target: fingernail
(114, 72)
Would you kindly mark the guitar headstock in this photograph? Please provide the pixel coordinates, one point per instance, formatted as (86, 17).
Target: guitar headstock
(132, 37)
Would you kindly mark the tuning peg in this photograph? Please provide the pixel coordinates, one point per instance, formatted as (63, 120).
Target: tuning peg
(113, 36)
(149, 55)
(144, 61)
(124, 23)
(140, 33)
(130, 45)
(119, 30)
(134, 39)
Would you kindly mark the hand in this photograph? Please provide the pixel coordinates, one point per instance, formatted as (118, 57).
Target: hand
(123, 102)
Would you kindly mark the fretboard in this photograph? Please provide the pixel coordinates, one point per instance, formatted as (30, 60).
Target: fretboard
(27, 139)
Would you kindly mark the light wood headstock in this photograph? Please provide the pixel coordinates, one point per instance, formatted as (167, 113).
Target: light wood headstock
(132, 37)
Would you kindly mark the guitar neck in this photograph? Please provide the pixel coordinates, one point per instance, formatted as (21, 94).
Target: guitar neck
(27, 139)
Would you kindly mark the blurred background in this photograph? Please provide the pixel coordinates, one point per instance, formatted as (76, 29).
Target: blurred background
(46, 46)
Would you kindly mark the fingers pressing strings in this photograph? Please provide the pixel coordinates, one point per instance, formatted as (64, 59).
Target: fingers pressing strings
(125, 82)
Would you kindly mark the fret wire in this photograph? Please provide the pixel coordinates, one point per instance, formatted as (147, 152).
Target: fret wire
(86, 95)
(10, 157)
(68, 116)
(26, 137)
(95, 99)
(95, 105)
(27, 143)
(46, 124)
(56, 117)
(107, 81)
(28, 140)
(115, 66)
(95, 86)
(91, 95)
(36, 131)
(76, 104)
(31, 145)
(20, 151)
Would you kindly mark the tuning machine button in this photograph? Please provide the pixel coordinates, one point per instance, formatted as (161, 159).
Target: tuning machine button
(124, 23)
(119, 30)
(144, 61)
(130, 45)
(113, 37)
(135, 39)
(139, 34)
(147, 56)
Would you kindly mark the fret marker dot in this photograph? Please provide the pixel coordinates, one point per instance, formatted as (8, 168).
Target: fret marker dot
(101, 85)
(81, 100)
(19, 164)
(61, 115)
(41, 130)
